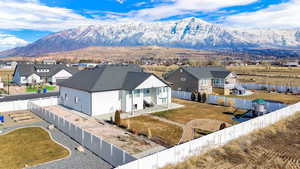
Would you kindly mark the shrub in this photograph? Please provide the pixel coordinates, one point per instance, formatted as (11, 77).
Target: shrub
(193, 96)
(199, 97)
(221, 101)
(230, 103)
(118, 117)
(203, 97)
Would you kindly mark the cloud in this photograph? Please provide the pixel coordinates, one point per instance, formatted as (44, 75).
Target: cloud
(169, 8)
(10, 41)
(30, 14)
(284, 15)
(120, 1)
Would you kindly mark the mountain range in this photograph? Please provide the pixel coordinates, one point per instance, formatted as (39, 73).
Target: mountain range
(190, 33)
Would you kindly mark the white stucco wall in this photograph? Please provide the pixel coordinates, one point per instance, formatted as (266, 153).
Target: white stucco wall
(63, 74)
(34, 77)
(151, 82)
(84, 100)
(106, 102)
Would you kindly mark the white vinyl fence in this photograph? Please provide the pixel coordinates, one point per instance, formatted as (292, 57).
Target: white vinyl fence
(110, 153)
(23, 104)
(238, 103)
(278, 88)
(201, 145)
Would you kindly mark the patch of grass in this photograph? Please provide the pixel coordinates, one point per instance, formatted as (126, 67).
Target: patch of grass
(35, 88)
(260, 94)
(28, 146)
(169, 133)
(195, 110)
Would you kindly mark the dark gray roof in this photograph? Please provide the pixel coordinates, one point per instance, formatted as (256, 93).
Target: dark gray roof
(29, 69)
(206, 72)
(106, 78)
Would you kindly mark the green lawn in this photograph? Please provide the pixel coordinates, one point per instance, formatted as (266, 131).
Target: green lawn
(35, 88)
(28, 146)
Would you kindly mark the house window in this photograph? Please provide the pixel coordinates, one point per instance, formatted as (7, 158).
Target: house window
(137, 93)
(66, 96)
(181, 70)
(146, 91)
(76, 100)
(164, 101)
(183, 79)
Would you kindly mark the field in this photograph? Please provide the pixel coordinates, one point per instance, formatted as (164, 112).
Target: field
(28, 146)
(195, 110)
(260, 94)
(268, 74)
(169, 133)
(276, 147)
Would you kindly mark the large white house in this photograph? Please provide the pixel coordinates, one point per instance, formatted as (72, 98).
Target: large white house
(109, 88)
(41, 73)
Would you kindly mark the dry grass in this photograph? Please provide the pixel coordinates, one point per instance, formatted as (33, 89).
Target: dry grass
(260, 94)
(169, 133)
(159, 70)
(268, 74)
(276, 147)
(195, 110)
(28, 146)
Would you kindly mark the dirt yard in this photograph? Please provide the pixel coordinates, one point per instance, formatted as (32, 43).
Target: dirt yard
(28, 146)
(19, 117)
(195, 110)
(168, 133)
(6, 74)
(276, 147)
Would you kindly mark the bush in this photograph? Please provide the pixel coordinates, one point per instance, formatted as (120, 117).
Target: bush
(203, 97)
(118, 117)
(193, 96)
(199, 97)
(221, 101)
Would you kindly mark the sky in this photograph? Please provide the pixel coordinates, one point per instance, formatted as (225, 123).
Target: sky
(25, 21)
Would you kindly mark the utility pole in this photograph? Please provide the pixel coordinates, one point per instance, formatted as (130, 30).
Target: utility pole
(8, 84)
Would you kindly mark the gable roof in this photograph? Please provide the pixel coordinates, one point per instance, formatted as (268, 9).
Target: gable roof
(205, 72)
(29, 69)
(106, 78)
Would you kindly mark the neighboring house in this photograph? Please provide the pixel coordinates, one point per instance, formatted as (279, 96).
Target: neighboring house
(41, 73)
(105, 89)
(49, 61)
(8, 64)
(201, 79)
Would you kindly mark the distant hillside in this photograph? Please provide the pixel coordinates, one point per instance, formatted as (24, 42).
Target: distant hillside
(190, 33)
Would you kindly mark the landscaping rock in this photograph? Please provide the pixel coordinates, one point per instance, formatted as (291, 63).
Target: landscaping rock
(51, 127)
(80, 149)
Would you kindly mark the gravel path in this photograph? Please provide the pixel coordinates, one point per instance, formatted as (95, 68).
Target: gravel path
(77, 160)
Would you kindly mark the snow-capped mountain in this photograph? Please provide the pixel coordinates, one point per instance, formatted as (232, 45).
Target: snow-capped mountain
(187, 33)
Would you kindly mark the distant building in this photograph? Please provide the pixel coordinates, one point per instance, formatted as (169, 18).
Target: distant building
(291, 64)
(49, 61)
(41, 73)
(109, 88)
(201, 79)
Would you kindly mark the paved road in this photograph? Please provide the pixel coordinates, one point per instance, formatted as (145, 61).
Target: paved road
(77, 160)
(28, 96)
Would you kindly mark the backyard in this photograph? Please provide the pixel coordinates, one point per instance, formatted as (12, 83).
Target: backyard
(275, 147)
(261, 94)
(169, 133)
(28, 147)
(35, 88)
(195, 110)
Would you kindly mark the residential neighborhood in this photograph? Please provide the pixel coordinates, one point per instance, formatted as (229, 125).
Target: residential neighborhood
(25, 74)
(152, 84)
